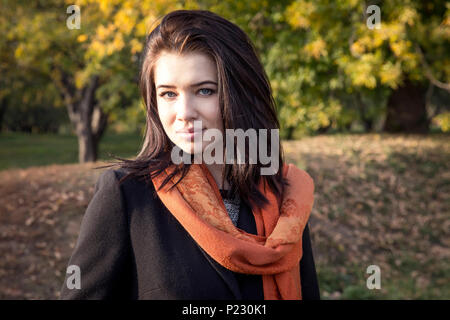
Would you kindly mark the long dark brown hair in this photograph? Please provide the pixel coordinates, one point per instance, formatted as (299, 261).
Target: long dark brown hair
(245, 99)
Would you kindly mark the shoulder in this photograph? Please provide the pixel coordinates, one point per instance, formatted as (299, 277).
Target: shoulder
(107, 177)
(119, 178)
(135, 193)
(107, 192)
(299, 176)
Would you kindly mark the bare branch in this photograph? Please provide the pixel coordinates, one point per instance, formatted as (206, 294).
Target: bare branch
(429, 74)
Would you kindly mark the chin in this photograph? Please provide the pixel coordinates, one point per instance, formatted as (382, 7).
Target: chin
(188, 147)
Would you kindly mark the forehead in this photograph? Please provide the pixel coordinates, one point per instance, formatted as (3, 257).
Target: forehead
(184, 69)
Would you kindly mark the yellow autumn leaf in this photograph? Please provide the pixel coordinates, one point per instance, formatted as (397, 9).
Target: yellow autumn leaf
(377, 38)
(102, 33)
(80, 79)
(362, 71)
(357, 48)
(400, 48)
(323, 119)
(316, 49)
(125, 20)
(298, 13)
(443, 121)
(82, 38)
(19, 51)
(408, 16)
(141, 28)
(118, 42)
(136, 46)
(390, 74)
(97, 49)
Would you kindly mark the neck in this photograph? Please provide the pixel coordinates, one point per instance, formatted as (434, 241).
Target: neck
(216, 172)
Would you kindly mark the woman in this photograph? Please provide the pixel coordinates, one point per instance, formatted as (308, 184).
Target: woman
(161, 229)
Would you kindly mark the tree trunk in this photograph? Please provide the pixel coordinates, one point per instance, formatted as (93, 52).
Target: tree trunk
(368, 124)
(3, 106)
(323, 130)
(89, 138)
(406, 110)
(85, 115)
(289, 133)
(366, 120)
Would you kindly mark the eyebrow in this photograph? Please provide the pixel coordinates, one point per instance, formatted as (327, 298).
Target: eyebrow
(192, 85)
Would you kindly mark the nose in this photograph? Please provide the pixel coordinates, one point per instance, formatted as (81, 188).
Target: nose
(186, 109)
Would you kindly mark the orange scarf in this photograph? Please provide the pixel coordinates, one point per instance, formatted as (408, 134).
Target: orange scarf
(274, 253)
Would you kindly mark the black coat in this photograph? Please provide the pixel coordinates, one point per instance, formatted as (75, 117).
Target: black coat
(131, 247)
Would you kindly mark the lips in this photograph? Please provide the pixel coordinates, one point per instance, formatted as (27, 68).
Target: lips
(189, 135)
(186, 130)
(191, 130)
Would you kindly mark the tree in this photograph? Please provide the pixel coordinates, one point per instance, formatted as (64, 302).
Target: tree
(95, 67)
(327, 68)
(329, 53)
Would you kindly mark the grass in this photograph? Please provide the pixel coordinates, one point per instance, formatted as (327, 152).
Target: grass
(22, 150)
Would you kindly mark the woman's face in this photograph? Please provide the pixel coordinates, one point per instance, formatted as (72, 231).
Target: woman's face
(186, 91)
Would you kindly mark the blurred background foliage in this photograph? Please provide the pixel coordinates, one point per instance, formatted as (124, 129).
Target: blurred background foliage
(329, 71)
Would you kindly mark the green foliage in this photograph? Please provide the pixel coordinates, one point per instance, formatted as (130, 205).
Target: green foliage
(443, 121)
(327, 68)
(327, 56)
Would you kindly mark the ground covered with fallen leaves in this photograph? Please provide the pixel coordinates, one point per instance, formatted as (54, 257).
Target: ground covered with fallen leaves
(379, 200)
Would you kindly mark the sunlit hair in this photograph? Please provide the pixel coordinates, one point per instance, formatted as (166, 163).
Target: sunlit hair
(245, 97)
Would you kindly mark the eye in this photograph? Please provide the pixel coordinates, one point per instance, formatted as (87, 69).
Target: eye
(205, 92)
(168, 94)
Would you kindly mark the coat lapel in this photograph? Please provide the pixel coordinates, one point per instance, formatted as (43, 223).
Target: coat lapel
(247, 223)
(225, 274)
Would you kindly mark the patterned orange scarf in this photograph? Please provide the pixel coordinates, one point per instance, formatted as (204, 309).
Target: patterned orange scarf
(276, 250)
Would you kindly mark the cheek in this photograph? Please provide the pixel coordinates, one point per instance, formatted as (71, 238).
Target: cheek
(219, 119)
(164, 114)
(214, 114)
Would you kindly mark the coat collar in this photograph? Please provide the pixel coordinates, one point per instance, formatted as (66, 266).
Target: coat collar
(246, 222)
(226, 275)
